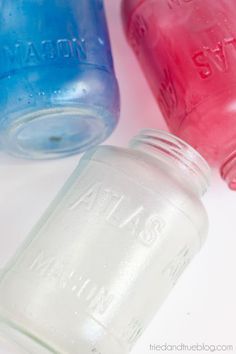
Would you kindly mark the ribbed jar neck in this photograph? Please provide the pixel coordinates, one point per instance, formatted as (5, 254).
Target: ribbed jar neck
(180, 156)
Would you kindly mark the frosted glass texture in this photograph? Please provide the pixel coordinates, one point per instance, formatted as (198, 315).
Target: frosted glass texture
(110, 248)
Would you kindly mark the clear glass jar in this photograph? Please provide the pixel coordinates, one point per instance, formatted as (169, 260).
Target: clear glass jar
(110, 248)
(58, 91)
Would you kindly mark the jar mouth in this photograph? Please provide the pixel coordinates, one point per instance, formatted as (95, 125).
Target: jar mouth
(174, 150)
(56, 132)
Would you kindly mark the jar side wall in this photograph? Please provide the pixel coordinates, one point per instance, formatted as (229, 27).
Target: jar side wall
(54, 122)
(153, 172)
(144, 242)
(178, 44)
(60, 61)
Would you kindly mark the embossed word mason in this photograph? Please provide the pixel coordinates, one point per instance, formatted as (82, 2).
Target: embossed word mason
(110, 248)
(58, 90)
(97, 298)
(24, 53)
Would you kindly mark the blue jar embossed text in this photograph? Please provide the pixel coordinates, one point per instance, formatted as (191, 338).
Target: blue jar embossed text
(58, 91)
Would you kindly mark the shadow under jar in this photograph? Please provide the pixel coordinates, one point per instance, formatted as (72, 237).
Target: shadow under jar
(58, 91)
(104, 257)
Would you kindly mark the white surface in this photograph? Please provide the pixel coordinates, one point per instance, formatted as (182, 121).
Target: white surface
(202, 306)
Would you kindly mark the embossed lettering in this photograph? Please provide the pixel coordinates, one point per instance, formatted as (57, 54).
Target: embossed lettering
(88, 198)
(116, 201)
(133, 220)
(14, 54)
(177, 266)
(25, 53)
(79, 48)
(138, 31)
(31, 54)
(167, 97)
(200, 61)
(153, 230)
(42, 265)
(132, 332)
(49, 50)
(101, 301)
(217, 58)
(65, 48)
(117, 210)
(97, 298)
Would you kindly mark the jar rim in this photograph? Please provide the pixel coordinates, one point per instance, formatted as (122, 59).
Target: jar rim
(177, 152)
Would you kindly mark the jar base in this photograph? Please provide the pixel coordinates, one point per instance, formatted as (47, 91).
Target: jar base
(56, 132)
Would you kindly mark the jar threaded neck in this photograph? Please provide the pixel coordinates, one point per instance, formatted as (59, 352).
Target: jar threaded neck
(168, 147)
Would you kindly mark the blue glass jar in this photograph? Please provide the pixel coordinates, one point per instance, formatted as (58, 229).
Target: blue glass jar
(58, 91)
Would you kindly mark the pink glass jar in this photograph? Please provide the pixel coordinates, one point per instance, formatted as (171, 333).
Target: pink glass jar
(187, 49)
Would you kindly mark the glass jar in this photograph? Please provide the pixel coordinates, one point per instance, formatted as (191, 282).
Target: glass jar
(58, 91)
(187, 49)
(110, 248)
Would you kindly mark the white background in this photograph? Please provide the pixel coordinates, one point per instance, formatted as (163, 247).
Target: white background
(202, 306)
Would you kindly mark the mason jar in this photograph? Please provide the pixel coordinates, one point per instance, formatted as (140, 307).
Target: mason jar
(58, 90)
(187, 50)
(109, 250)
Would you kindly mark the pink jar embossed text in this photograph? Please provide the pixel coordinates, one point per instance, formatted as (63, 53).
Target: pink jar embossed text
(187, 49)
